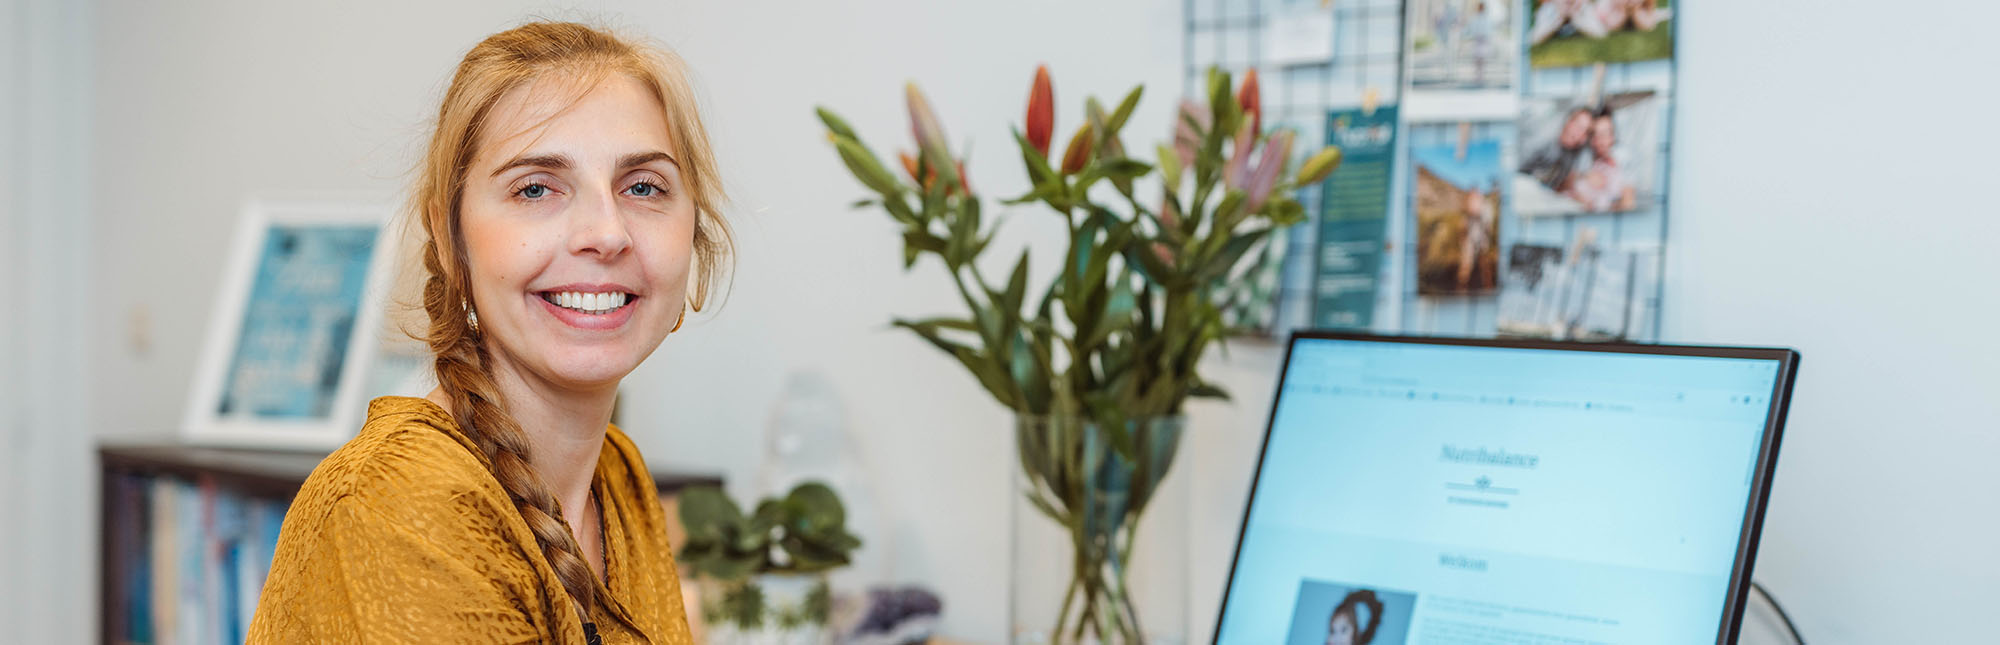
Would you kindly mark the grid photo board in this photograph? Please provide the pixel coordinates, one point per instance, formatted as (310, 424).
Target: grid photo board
(1506, 160)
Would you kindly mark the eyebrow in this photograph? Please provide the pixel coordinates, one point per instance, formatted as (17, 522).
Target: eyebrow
(637, 159)
(553, 162)
(562, 161)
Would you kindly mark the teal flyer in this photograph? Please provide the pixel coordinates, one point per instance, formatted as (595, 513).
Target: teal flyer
(1354, 215)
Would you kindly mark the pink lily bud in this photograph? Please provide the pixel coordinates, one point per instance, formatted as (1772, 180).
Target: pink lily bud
(925, 126)
(1186, 139)
(1265, 178)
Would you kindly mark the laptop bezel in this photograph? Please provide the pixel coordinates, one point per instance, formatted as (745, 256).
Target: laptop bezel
(1737, 595)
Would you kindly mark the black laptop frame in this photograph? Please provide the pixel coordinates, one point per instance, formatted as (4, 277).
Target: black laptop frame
(1760, 491)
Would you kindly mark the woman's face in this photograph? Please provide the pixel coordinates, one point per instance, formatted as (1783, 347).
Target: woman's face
(1575, 130)
(577, 228)
(1603, 136)
(1341, 630)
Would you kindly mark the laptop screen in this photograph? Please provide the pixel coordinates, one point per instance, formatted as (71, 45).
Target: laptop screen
(1439, 493)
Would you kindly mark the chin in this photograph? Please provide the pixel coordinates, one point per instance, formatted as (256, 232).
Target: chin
(591, 367)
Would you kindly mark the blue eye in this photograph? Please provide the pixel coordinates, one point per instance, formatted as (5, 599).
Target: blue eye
(533, 191)
(645, 189)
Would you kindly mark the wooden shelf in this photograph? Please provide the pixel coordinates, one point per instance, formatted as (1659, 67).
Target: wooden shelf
(260, 474)
(271, 473)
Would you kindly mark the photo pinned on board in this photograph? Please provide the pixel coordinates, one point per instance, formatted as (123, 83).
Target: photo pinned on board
(1458, 201)
(1588, 291)
(1576, 33)
(1461, 44)
(1330, 613)
(1588, 155)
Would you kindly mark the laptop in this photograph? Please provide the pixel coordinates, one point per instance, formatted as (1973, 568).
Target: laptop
(1448, 491)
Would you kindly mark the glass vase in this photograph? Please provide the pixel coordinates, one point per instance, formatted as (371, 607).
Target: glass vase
(1099, 532)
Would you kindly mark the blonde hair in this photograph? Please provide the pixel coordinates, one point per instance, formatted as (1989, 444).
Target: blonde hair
(581, 56)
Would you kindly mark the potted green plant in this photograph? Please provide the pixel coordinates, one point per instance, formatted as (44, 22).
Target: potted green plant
(1098, 363)
(763, 573)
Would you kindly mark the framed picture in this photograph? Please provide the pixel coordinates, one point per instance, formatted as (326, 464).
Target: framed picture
(295, 327)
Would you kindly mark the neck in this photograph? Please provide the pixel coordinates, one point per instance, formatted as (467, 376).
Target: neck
(565, 427)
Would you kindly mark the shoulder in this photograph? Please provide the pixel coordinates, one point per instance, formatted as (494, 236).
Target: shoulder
(410, 458)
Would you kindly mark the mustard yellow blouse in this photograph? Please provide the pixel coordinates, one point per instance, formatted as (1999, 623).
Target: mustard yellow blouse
(404, 536)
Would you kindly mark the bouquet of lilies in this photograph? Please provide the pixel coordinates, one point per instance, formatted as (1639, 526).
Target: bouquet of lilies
(1116, 337)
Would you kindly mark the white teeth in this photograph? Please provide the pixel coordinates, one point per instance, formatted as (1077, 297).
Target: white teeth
(595, 303)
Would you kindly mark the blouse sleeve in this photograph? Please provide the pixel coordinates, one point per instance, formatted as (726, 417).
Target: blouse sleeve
(372, 576)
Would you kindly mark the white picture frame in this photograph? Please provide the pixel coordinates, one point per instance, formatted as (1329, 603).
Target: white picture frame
(295, 327)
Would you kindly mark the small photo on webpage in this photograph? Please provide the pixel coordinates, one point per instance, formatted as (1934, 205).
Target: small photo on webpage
(1336, 613)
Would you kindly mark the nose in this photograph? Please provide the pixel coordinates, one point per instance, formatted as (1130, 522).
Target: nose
(597, 227)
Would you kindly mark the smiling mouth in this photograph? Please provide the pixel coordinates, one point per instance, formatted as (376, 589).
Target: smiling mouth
(589, 302)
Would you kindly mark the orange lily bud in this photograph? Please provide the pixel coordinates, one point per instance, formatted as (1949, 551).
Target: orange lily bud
(1041, 111)
(1252, 101)
(1079, 150)
(909, 164)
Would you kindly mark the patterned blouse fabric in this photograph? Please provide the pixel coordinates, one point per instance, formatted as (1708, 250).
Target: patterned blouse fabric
(404, 536)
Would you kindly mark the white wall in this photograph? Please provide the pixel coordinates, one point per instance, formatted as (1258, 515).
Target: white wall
(1824, 197)
(47, 556)
(1831, 193)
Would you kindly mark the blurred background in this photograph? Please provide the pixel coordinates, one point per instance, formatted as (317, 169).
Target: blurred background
(1826, 186)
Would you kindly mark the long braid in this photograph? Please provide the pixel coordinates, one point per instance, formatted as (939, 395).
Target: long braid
(476, 405)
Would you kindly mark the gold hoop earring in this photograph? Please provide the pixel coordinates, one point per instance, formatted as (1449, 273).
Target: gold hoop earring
(678, 320)
(471, 317)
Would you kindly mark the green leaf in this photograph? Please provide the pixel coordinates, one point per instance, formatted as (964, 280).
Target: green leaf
(1124, 111)
(1285, 212)
(1151, 267)
(1017, 286)
(924, 241)
(1208, 391)
(708, 512)
(819, 508)
(1170, 168)
(1227, 212)
(1039, 170)
(1232, 251)
(1123, 168)
(990, 374)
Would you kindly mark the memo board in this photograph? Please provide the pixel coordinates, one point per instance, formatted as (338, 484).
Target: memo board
(1558, 271)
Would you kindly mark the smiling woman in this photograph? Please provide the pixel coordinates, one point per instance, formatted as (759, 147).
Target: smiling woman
(568, 214)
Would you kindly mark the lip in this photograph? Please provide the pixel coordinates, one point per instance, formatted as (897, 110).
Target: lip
(591, 287)
(610, 320)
